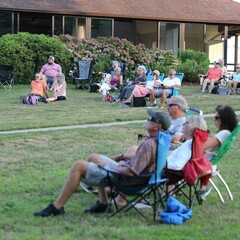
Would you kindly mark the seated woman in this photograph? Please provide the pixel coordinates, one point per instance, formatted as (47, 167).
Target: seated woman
(139, 80)
(38, 88)
(213, 76)
(177, 160)
(234, 81)
(142, 91)
(59, 89)
(117, 78)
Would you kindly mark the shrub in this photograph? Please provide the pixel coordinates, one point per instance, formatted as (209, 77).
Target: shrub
(103, 50)
(28, 52)
(192, 63)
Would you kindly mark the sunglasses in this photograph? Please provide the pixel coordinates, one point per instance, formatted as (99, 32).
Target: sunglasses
(216, 117)
(172, 104)
(152, 119)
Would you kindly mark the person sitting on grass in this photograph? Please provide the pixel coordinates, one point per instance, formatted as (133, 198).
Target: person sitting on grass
(59, 89)
(38, 88)
(166, 88)
(142, 91)
(91, 171)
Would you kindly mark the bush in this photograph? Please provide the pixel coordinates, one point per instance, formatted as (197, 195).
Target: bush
(103, 50)
(192, 63)
(28, 52)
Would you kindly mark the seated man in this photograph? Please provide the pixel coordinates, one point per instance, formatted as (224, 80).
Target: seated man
(92, 173)
(235, 81)
(177, 108)
(166, 88)
(213, 75)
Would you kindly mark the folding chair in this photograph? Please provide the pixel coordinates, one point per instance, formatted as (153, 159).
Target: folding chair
(221, 152)
(6, 76)
(197, 169)
(176, 91)
(82, 74)
(153, 189)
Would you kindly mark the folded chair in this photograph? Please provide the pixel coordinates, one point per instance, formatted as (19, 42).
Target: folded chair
(82, 74)
(198, 169)
(6, 76)
(221, 152)
(150, 192)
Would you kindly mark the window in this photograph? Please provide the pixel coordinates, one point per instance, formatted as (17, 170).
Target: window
(5, 23)
(101, 28)
(38, 23)
(169, 36)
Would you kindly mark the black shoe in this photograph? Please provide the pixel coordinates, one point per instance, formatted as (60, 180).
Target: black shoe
(49, 210)
(98, 208)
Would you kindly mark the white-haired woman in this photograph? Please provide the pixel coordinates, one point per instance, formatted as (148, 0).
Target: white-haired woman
(177, 160)
(116, 79)
(140, 79)
(59, 89)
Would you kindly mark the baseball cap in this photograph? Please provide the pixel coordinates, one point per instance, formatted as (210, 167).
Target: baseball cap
(161, 117)
(51, 57)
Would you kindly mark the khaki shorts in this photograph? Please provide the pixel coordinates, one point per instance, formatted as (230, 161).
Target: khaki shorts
(95, 175)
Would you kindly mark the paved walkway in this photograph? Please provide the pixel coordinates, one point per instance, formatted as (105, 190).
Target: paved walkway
(84, 126)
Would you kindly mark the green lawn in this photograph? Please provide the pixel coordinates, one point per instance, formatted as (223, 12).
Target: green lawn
(33, 167)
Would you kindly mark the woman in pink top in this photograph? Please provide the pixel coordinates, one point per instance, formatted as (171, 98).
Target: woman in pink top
(213, 75)
(142, 91)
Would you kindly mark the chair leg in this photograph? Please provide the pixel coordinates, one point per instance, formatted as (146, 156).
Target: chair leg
(225, 184)
(217, 190)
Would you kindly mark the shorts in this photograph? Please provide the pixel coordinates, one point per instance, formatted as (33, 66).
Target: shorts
(95, 175)
(169, 92)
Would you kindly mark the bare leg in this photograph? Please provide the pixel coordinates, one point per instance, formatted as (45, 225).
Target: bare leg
(230, 86)
(204, 85)
(212, 85)
(163, 99)
(235, 83)
(52, 99)
(129, 100)
(77, 172)
(152, 97)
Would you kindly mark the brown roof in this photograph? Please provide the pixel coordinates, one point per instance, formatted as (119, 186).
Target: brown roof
(204, 11)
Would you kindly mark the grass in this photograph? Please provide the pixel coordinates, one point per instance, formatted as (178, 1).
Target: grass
(33, 167)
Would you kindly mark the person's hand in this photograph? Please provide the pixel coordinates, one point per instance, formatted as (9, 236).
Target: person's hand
(101, 163)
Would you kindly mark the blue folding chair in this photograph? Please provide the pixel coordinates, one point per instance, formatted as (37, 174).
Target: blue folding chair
(176, 91)
(150, 192)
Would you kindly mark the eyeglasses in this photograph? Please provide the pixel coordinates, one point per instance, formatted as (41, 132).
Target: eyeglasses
(171, 74)
(216, 117)
(172, 104)
(152, 119)
(37, 76)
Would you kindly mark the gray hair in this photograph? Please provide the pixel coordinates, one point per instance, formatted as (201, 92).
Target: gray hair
(117, 68)
(195, 121)
(116, 63)
(172, 71)
(62, 77)
(143, 68)
(180, 101)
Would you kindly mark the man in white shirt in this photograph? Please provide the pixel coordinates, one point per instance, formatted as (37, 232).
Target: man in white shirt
(166, 88)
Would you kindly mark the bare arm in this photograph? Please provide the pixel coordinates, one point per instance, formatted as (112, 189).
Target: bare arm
(211, 142)
(123, 170)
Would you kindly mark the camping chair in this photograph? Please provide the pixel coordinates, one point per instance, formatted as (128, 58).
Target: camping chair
(176, 91)
(153, 189)
(197, 169)
(6, 76)
(82, 74)
(221, 152)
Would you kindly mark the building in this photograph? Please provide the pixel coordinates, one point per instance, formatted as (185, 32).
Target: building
(209, 26)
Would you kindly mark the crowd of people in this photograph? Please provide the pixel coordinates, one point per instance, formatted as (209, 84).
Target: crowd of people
(139, 159)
